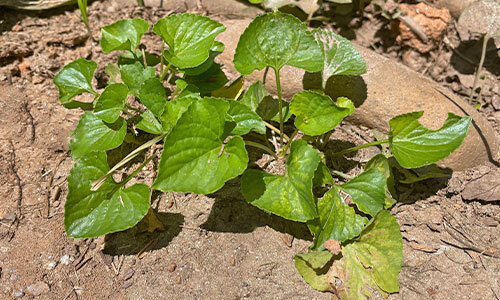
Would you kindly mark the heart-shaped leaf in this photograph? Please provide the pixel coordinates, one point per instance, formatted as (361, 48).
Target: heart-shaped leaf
(367, 191)
(189, 37)
(254, 95)
(153, 95)
(415, 146)
(274, 40)
(340, 56)
(175, 109)
(246, 120)
(311, 268)
(317, 113)
(74, 79)
(373, 260)
(93, 134)
(135, 75)
(111, 208)
(289, 196)
(123, 35)
(195, 158)
(217, 48)
(381, 163)
(147, 122)
(111, 102)
(336, 221)
(211, 80)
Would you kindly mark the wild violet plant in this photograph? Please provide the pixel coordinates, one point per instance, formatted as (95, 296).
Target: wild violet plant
(205, 129)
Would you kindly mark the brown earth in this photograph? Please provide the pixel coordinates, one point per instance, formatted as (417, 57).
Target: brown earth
(216, 246)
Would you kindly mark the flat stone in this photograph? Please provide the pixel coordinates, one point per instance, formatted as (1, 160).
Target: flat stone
(387, 89)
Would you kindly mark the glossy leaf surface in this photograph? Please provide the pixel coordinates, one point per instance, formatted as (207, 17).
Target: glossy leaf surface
(316, 113)
(289, 196)
(415, 146)
(189, 37)
(195, 158)
(274, 40)
(123, 35)
(93, 134)
(111, 102)
(74, 79)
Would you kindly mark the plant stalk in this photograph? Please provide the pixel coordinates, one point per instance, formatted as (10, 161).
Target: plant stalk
(285, 149)
(268, 125)
(164, 73)
(98, 183)
(278, 88)
(262, 147)
(360, 147)
(480, 67)
(136, 171)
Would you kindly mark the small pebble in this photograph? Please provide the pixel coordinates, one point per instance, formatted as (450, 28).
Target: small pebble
(66, 260)
(56, 204)
(171, 267)
(127, 284)
(50, 265)
(178, 279)
(19, 294)
(17, 28)
(38, 288)
(129, 273)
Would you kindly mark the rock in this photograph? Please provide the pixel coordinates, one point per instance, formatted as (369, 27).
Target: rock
(484, 188)
(50, 265)
(66, 260)
(495, 102)
(38, 288)
(18, 294)
(456, 7)
(385, 91)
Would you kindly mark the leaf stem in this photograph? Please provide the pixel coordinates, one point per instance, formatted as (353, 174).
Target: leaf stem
(361, 147)
(278, 88)
(480, 67)
(343, 175)
(98, 183)
(133, 109)
(268, 125)
(285, 149)
(132, 175)
(262, 147)
(164, 73)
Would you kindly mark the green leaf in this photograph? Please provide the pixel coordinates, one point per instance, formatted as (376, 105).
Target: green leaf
(111, 102)
(75, 79)
(189, 37)
(322, 176)
(93, 134)
(254, 95)
(135, 75)
(111, 208)
(153, 95)
(367, 191)
(175, 109)
(112, 70)
(316, 113)
(289, 196)
(381, 163)
(311, 268)
(127, 58)
(148, 123)
(336, 221)
(195, 158)
(415, 146)
(211, 80)
(274, 40)
(217, 48)
(269, 109)
(339, 55)
(246, 120)
(373, 260)
(123, 35)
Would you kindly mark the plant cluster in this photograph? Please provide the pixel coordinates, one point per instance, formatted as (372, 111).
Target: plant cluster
(205, 129)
